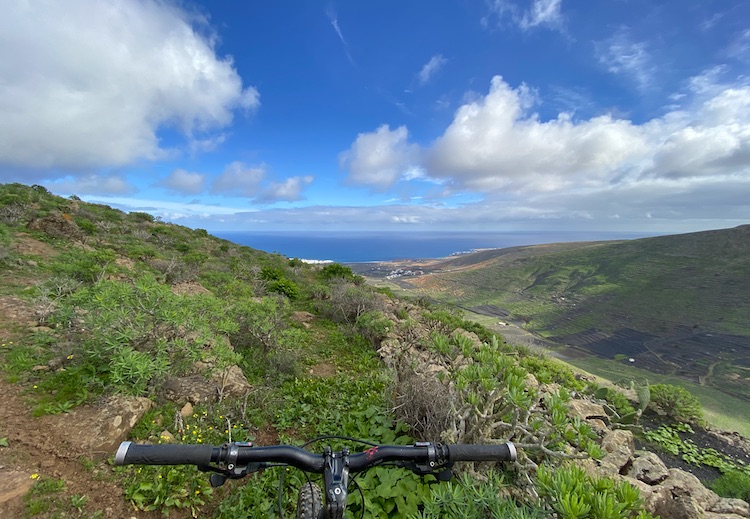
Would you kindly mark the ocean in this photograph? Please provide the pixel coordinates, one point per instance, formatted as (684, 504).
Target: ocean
(363, 247)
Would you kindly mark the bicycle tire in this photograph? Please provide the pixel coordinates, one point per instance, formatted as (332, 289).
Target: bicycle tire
(310, 502)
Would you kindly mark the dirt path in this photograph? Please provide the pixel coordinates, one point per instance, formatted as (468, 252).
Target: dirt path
(34, 448)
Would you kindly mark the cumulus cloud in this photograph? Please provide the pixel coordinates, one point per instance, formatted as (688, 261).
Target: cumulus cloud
(496, 144)
(87, 84)
(379, 158)
(622, 55)
(431, 68)
(184, 182)
(239, 179)
(598, 167)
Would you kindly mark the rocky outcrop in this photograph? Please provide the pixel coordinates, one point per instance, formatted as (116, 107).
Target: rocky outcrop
(57, 225)
(199, 389)
(96, 431)
(668, 493)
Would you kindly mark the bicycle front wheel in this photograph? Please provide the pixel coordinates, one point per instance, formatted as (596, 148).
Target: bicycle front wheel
(310, 502)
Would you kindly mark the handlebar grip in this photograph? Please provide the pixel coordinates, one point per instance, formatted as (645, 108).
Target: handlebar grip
(465, 452)
(130, 453)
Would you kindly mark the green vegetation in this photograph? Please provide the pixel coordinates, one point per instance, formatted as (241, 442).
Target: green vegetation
(734, 484)
(575, 494)
(126, 303)
(678, 297)
(677, 403)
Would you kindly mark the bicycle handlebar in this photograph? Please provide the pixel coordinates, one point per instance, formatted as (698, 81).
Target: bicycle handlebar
(240, 454)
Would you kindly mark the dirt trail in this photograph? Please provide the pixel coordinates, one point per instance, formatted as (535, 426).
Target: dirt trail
(33, 447)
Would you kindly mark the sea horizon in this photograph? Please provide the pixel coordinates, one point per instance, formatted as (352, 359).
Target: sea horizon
(382, 246)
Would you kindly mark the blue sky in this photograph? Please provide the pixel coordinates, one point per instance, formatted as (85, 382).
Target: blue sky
(497, 115)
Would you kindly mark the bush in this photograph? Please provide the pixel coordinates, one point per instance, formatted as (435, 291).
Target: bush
(734, 484)
(336, 270)
(374, 326)
(138, 216)
(284, 287)
(677, 403)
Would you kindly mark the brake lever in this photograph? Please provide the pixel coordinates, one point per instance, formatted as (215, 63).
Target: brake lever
(219, 476)
(442, 473)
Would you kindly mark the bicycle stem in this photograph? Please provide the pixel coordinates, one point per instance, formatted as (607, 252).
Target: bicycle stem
(336, 480)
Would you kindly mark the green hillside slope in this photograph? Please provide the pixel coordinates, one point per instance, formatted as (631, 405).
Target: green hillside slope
(676, 305)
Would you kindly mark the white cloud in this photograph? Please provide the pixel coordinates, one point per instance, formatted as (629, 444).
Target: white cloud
(92, 185)
(289, 190)
(739, 48)
(87, 84)
(378, 159)
(494, 144)
(184, 182)
(692, 162)
(542, 13)
(431, 68)
(333, 18)
(238, 179)
(621, 55)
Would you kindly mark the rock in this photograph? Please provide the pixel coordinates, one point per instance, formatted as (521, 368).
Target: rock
(195, 389)
(303, 317)
(13, 484)
(681, 483)
(40, 368)
(186, 410)
(681, 496)
(681, 507)
(57, 225)
(198, 389)
(736, 507)
(649, 468)
(585, 409)
(98, 430)
(619, 446)
(231, 382)
(530, 381)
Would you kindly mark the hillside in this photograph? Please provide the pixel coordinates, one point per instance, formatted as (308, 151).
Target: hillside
(119, 326)
(677, 305)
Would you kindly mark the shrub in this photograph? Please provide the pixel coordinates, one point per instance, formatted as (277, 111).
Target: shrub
(374, 326)
(336, 270)
(734, 484)
(677, 402)
(138, 216)
(284, 287)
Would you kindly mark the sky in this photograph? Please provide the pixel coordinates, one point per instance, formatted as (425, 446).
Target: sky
(481, 115)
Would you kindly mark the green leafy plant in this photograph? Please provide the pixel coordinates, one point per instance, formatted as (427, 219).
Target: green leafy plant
(677, 403)
(574, 494)
(168, 487)
(473, 499)
(668, 438)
